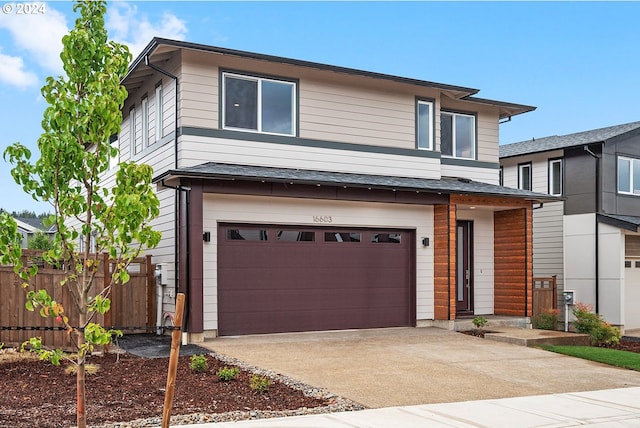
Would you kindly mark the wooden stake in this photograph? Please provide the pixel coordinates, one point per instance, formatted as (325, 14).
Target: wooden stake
(173, 362)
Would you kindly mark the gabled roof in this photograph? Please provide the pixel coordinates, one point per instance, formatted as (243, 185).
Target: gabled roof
(33, 225)
(160, 49)
(556, 142)
(213, 170)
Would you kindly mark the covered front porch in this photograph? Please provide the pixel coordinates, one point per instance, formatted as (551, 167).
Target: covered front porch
(483, 258)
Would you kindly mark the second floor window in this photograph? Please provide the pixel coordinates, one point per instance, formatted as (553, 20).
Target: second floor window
(555, 177)
(524, 177)
(628, 176)
(458, 135)
(258, 104)
(425, 125)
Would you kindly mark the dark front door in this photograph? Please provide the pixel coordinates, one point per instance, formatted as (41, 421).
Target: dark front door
(464, 267)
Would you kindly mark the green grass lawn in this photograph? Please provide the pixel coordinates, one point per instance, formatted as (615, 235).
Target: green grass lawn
(613, 357)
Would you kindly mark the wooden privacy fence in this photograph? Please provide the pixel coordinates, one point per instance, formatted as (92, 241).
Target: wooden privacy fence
(545, 294)
(132, 304)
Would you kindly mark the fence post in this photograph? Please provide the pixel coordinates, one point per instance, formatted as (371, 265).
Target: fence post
(150, 291)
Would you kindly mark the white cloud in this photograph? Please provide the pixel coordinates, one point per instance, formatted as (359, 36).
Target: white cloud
(40, 35)
(12, 72)
(128, 26)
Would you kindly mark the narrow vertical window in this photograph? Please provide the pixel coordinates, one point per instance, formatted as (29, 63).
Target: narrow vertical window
(113, 143)
(158, 117)
(501, 176)
(136, 143)
(524, 177)
(144, 107)
(555, 177)
(425, 125)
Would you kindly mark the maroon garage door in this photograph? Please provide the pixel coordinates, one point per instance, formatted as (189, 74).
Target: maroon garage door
(280, 279)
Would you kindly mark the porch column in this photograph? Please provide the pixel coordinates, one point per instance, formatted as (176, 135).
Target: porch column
(444, 237)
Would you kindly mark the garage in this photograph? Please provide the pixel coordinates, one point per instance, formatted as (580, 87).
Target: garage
(275, 279)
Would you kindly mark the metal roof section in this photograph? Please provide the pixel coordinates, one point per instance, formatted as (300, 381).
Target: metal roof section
(160, 50)
(626, 222)
(556, 142)
(221, 171)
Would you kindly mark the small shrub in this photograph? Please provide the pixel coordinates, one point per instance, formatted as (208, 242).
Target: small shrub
(547, 320)
(260, 383)
(480, 322)
(227, 374)
(199, 363)
(587, 322)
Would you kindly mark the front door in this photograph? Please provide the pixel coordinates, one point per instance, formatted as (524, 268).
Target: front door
(464, 267)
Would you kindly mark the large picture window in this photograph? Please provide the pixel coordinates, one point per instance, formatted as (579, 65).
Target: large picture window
(628, 176)
(555, 177)
(258, 104)
(458, 135)
(424, 125)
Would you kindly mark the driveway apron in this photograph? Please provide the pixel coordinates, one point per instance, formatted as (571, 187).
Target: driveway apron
(409, 366)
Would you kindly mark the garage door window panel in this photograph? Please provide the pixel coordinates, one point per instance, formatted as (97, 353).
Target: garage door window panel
(295, 236)
(342, 237)
(247, 235)
(386, 238)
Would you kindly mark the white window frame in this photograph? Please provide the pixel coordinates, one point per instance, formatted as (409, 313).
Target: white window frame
(553, 162)
(133, 132)
(632, 162)
(521, 175)
(294, 114)
(429, 145)
(474, 143)
(144, 111)
(159, 113)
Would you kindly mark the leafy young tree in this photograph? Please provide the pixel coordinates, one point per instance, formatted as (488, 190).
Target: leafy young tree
(84, 110)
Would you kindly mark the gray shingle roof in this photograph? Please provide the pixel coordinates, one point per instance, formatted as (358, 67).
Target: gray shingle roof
(555, 142)
(627, 222)
(213, 170)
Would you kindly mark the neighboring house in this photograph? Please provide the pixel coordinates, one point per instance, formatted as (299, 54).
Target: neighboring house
(591, 240)
(27, 227)
(302, 196)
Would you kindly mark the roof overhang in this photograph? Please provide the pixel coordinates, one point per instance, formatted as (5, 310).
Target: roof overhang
(220, 171)
(626, 222)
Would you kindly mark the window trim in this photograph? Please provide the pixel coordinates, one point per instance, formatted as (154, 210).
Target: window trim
(158, 113)
(631, 183)
(520, 175)
(550, 176)
(260, 78)
(432, 125)
(144, 112)
(455, 113)
(133, 131)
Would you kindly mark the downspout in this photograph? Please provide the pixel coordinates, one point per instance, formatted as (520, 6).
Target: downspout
(597, 229)
(176, 257)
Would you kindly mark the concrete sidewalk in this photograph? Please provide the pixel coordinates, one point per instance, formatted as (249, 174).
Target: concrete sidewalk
(598, 409)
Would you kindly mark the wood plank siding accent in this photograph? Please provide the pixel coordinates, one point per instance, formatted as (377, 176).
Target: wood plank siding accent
(513, 262)
(444, 260)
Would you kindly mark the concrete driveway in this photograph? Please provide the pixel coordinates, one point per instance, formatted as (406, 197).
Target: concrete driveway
(409, 366)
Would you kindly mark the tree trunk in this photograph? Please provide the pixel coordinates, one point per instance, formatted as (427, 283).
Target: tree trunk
(81, 414)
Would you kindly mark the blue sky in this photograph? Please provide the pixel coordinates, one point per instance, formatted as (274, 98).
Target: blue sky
(577, 62)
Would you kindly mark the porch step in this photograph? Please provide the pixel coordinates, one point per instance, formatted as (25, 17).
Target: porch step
(533, 337)
(494, 322)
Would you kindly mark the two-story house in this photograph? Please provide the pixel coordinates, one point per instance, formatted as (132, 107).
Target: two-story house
(302, 196)
(591, 241)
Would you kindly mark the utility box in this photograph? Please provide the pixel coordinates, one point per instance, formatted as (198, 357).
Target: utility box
(161, 273)
(569, 297)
